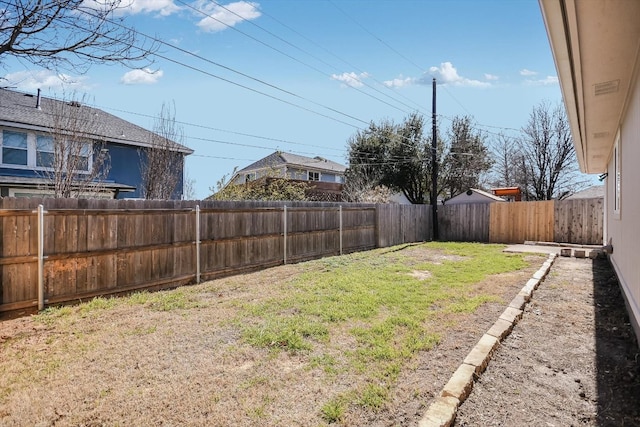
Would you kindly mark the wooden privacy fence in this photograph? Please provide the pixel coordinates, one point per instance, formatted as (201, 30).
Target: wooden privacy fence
(577, 221)
(69, 249)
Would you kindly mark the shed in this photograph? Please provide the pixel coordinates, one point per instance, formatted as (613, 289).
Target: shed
(473, 195)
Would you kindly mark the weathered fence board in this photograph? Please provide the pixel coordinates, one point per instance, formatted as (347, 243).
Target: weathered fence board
(579, 221)
(522, 221)
(466, 222)
(96, 247)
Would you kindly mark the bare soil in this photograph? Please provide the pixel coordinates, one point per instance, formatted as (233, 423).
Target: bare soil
(571, 361)
(136, 365)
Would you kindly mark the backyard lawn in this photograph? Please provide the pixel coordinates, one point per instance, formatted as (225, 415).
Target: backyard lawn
(362, 339)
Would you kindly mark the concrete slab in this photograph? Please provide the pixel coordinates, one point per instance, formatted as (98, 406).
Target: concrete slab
(538, 249)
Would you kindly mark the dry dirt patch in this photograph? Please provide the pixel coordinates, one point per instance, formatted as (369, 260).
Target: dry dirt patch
(179, 358)
(571, 360)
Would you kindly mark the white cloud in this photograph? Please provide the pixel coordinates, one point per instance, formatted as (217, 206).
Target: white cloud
(350, 79)
(162, 7)
(133, 7)
(145, 76)
(525, 72)
(222, 17)
(45, 79)
(400, 82)
(447, 74)
(491, 77)
(547, 81)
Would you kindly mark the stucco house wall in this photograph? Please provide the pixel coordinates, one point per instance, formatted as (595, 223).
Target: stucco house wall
(623, 227)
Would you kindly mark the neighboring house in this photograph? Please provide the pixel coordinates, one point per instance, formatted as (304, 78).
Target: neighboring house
(473, 195)
(325, 177)
(596, 47)
(593, 192)
(400, 199)
(27, 123)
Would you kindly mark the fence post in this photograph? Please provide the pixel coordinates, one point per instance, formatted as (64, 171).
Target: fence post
(340, 211)
(197, 243)
(284, 222)
(40, 257)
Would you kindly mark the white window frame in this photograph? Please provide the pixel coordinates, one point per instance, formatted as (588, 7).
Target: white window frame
(14, 165)
(617, 177)
(315, 173)
(32, 152)
(38, 151)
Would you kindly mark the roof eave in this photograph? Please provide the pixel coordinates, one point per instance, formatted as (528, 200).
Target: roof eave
(559, 18)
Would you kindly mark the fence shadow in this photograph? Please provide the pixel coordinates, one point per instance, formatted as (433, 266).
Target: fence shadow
(617, 352)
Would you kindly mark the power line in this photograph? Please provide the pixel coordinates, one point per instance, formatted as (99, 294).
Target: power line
(276, 49)
(232, 70)
(316, 57)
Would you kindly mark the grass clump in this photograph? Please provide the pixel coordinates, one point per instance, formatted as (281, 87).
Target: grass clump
(164, 300)
(334, 410)
(383, 306)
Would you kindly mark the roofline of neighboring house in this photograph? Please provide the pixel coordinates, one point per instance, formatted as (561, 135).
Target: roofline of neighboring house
(282, 165)
(482, 193)
(21, 125)
(287, 166)
(29, 182)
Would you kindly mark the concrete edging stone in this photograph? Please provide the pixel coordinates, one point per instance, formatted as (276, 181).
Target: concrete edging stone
(442, 412)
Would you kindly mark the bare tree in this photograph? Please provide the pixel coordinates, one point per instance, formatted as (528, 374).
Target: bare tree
(508, 167)
(359, 187)
(467, 159)
(188, 187)
(69, 34)
(74, 159)
(548, 159)
(161, 164)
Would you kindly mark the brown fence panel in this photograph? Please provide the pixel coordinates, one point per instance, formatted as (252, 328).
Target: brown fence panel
(100, 247)
(18, 265)
(236, 237)
(579, 221)
(398, 224)
(521, 221)
(465, 222)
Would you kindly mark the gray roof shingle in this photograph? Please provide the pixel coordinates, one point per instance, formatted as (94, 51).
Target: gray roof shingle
(19, 109)
(281, 158)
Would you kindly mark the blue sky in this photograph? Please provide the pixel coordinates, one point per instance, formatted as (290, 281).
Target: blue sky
(305, 75)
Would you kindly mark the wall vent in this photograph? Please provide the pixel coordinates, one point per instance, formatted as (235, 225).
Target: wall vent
(606, 87)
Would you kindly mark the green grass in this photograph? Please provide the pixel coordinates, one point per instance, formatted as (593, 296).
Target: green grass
(333, 411)
(370, 299)
(158, 301)
(383, 307)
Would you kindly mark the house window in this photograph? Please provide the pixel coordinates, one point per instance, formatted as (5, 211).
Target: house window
(79, 158)
(617, 177)
(38, 151)
(44, 151)
(14, 148)
(313, 176)
(248, 177)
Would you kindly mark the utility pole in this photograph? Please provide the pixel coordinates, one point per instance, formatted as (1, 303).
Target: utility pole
(434, 167)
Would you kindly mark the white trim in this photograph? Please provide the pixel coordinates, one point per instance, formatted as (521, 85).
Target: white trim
(20, 192)
(32, 152)
(617, 177)
(632, 305)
